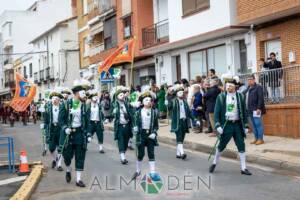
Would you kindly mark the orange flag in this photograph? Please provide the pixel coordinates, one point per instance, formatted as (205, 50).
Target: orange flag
(125, 53)
(25, 93)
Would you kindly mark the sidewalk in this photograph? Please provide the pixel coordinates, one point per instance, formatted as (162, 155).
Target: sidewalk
(277, 152)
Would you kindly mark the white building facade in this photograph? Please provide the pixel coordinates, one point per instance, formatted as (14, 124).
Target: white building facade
(201, 35)
(18, 28)
(58, 64)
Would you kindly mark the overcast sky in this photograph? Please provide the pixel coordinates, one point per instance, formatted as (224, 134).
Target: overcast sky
(15, 4)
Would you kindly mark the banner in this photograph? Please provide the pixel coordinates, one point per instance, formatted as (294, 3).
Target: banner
(125, 53)
(25, 93)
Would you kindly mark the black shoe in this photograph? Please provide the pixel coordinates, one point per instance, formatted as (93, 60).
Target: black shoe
(124, 162)
(80, 184)
(246, 172)
(53, 164)
(179, 157)
(183, 157)
(212, 168)
(135, 175)
(208, 131)
(68, 177)
(60, 169)
(102, 151)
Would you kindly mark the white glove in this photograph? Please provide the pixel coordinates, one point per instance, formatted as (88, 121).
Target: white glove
(68, 131)
(198, 123)
(152, 136)
(246, 130)
(220, 130)
(166, 102)
(135, 130)
(89, 139)
(42, 126)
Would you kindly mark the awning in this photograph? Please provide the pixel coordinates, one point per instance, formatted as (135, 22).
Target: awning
(97, 28)
(223, 32)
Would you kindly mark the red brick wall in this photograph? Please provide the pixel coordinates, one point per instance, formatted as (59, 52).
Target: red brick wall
(289, 34)
(142, 16)
(248, 10)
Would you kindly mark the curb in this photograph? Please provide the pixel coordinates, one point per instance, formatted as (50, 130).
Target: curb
(228, 153)
(28, 187)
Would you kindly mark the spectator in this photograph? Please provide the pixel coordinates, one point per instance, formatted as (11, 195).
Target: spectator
(161, 102)
(210, 98)
(190, 93)
(106, 106)
(274, 76)
(197, 108)
(263, 77)
(256, 108)
(212, 75)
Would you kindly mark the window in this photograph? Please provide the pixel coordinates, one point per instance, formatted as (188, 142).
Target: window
(198, 66)
(52, 60)
(194, 6)
(30, 70)
(24, 72)
(86, 47)
(85, 7)
(127, 27)
(201, 61)
(110, 33)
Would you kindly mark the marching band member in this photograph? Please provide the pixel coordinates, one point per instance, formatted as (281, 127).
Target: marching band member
(145, 131)
(181, 118)
(75, 142)
(231, 122)
(95, 117)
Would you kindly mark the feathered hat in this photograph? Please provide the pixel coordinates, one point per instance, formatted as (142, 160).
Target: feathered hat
(178, 87)
(55, 93)
(92, 93)
(79, 85)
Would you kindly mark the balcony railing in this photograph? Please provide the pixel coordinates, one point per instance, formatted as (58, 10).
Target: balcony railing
(42, 77)
(156, 34)
(279, 85)
(98, 7)
(36, 78)
(97, 49)
(49, 73)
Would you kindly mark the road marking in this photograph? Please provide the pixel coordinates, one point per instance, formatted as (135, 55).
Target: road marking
(12, 180)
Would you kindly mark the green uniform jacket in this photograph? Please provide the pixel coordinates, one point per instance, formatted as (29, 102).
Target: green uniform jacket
(84, 121)
(48, 117)
(101, 116)
(174, 107)
(153, 125)
(220, 110)
(117, 116)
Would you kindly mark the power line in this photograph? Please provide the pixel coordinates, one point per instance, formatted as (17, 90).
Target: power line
(12, 54)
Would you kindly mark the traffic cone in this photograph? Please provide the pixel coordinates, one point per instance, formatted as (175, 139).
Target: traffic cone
(23, 168)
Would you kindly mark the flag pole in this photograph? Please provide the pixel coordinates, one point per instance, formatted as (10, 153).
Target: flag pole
(132, 62)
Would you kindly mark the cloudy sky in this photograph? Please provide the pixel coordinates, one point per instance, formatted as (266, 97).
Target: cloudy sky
(15, 4)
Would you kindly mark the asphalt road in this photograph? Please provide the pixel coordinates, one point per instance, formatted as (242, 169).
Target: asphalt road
(106, 178)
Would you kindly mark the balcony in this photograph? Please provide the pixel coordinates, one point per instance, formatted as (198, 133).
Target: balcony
(256, 12)
(156, 34)
(8, 63)
(36, 77)
(7, 43)
(279, 85)
(96, 49)
(99, 7)
(49, 73)
(42, 73)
